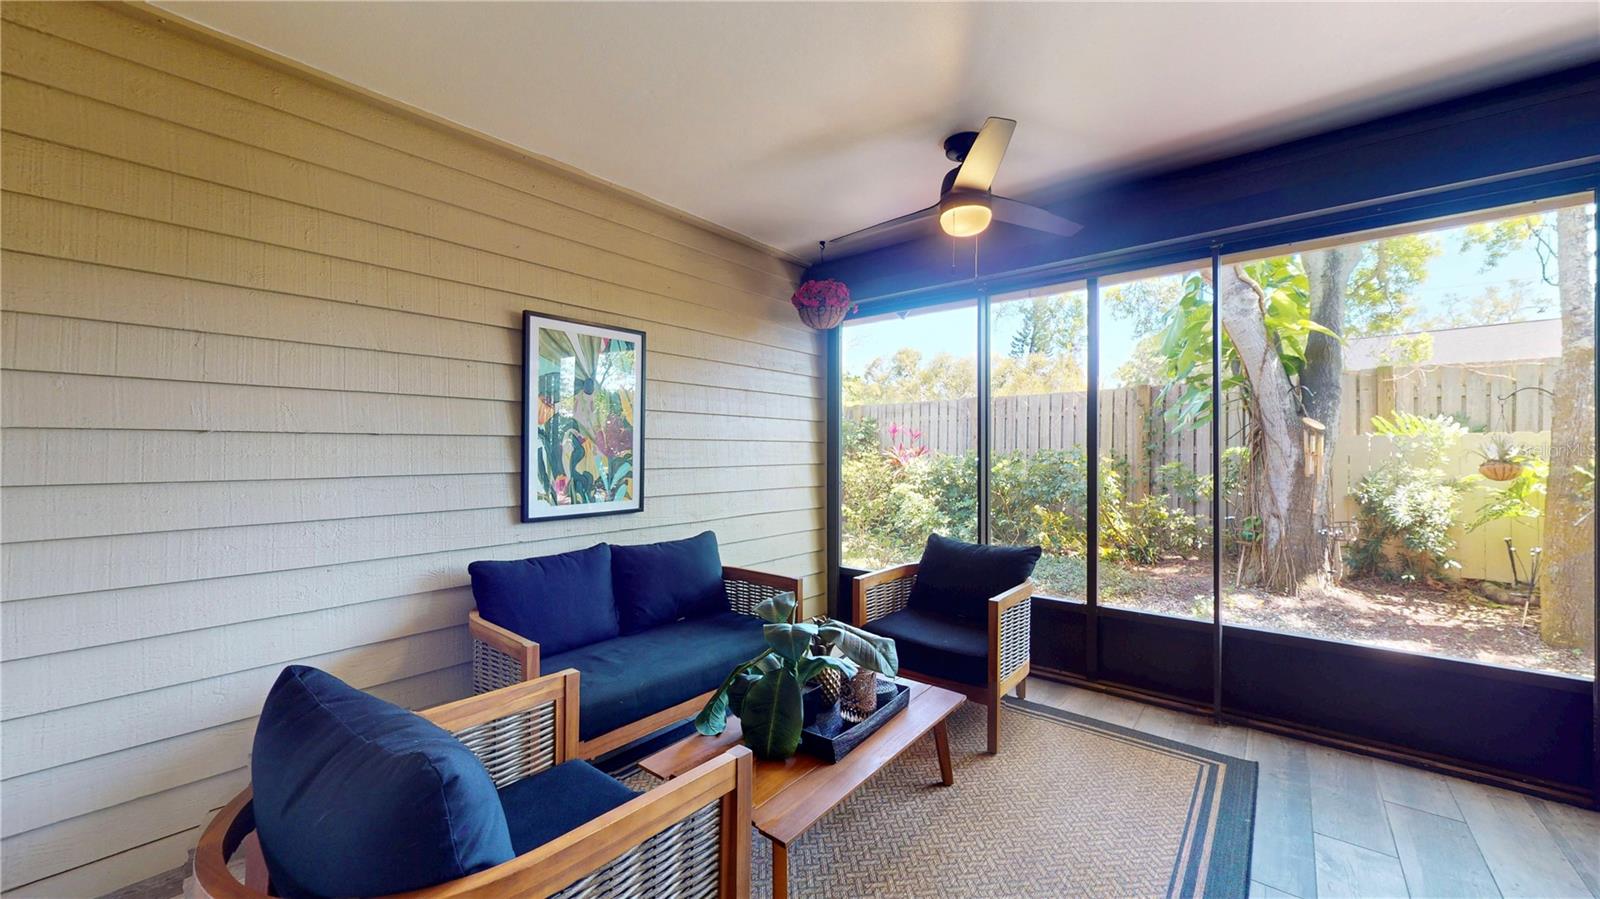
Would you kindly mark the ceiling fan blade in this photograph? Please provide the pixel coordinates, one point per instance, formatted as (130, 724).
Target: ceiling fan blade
(895, 230)
(983, 160)
(1019, 213)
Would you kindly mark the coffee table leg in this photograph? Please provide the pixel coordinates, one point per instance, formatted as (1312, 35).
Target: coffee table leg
(780, 871)
(941, 742)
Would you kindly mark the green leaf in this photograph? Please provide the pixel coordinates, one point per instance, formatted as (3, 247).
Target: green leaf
(772, 715)
(810, 668)
(713, 717)
(740, 687)
(776, 609)
(869, 650)
(790, 640)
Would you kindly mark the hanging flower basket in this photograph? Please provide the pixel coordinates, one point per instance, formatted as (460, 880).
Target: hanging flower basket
(1500, 470)
(823, 304)
(1502, 457)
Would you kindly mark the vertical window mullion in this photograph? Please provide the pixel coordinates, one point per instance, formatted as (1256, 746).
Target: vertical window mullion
(1091, 515)
(1216, 483)
(983, 416)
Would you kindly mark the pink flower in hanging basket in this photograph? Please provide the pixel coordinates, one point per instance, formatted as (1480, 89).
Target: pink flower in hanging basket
(828, 294)
(823, 304)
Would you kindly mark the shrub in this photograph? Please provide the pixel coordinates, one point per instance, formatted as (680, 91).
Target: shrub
(1407, 504)
(893, 503)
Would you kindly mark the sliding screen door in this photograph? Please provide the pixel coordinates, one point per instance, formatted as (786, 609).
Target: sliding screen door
(1039, 422)
(909, 462)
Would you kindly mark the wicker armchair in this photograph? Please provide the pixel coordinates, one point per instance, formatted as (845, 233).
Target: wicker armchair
(880, 594)
(501, 657)
(687, 837)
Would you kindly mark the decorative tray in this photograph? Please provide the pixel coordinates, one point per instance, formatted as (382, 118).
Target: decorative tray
(829, 737)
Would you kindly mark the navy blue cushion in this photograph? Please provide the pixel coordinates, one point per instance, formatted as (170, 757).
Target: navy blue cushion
(939, 645)
(542, 807)
(661, 582)
(561, 602)
(632, 676)
(956, 578)
(355, 796)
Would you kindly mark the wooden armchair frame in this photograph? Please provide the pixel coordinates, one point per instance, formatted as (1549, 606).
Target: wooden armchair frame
(683, 837)
(878, 594)
(501, 657)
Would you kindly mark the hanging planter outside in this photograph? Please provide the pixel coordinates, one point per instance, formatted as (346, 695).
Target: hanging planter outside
(1502, 457)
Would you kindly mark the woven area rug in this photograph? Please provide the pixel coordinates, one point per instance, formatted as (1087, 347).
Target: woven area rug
(1070, 807)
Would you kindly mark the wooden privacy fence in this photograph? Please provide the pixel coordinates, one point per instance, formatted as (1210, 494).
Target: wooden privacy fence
(1133, 424)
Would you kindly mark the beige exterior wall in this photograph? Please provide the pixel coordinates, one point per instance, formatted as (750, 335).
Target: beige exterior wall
(261, 405)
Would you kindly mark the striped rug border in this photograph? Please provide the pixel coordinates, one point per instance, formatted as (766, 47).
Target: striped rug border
(1214, 857)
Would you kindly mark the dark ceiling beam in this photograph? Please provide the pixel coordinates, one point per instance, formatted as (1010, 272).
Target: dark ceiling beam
(1532, 129)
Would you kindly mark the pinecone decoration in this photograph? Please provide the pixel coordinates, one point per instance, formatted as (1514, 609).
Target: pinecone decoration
(831, 683)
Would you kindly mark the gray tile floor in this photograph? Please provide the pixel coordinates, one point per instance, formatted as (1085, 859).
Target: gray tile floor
(1331, 823)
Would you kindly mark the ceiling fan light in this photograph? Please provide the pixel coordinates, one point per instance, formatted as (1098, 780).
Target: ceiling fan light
(964, 215)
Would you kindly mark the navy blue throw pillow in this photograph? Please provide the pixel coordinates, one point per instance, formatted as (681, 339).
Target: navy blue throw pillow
(956, 578)
(658, 583)
(561, 602)
(355, 796)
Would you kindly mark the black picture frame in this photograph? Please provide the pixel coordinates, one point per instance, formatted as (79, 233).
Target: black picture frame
(533, 511)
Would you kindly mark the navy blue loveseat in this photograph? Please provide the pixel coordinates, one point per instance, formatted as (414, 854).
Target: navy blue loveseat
(651, 629)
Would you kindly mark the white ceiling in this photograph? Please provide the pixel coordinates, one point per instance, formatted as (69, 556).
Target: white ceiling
(790, 123)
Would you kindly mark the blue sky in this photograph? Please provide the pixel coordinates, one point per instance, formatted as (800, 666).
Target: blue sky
(954, 330)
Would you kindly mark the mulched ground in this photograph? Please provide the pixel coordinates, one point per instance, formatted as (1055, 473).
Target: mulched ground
(1448, 620)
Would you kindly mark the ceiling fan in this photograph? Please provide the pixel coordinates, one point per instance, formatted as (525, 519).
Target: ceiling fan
(966, 205)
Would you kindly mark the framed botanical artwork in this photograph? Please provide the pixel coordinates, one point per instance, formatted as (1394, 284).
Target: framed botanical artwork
(583, 419)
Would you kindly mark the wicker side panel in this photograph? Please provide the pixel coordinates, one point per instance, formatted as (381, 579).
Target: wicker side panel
(1016, 634)
(685, 860)
(889, 597)
(514, 746)
(493, 669)
(744, 596)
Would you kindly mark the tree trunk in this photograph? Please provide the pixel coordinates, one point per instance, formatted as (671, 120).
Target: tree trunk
(1566, 592)
(1327, 274)
(1286, 499)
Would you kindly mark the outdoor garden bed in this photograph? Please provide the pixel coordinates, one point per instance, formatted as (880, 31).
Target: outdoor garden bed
(1447, 620)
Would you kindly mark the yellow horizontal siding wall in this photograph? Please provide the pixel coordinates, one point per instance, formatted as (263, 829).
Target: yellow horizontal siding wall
(261, 399)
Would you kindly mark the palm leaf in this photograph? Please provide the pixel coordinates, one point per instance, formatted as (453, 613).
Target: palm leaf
(776, 609)
(871, 651)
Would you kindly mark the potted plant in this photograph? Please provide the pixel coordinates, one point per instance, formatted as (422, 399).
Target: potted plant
(823, 304)
(1502, 457)
(768, 692)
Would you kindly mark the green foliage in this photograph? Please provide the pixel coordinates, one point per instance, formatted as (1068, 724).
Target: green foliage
(1038, 498)
(1186, 343)
(1499, 239)
(1380, 296)
(1186, 347)
(1427, 438)
(1522, 497)
(1144, 530)
(1183, 482)
(1288, 308)
(1235, 469)
(858, 436)
(772, 714)
(907, 377)
(766, 692)
(1407, 503)
(1054, 325)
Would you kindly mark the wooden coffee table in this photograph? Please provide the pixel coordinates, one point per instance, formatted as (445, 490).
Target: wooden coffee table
(793, 794)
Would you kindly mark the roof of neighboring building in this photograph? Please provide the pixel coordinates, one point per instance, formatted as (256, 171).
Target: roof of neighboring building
(1487, 344)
